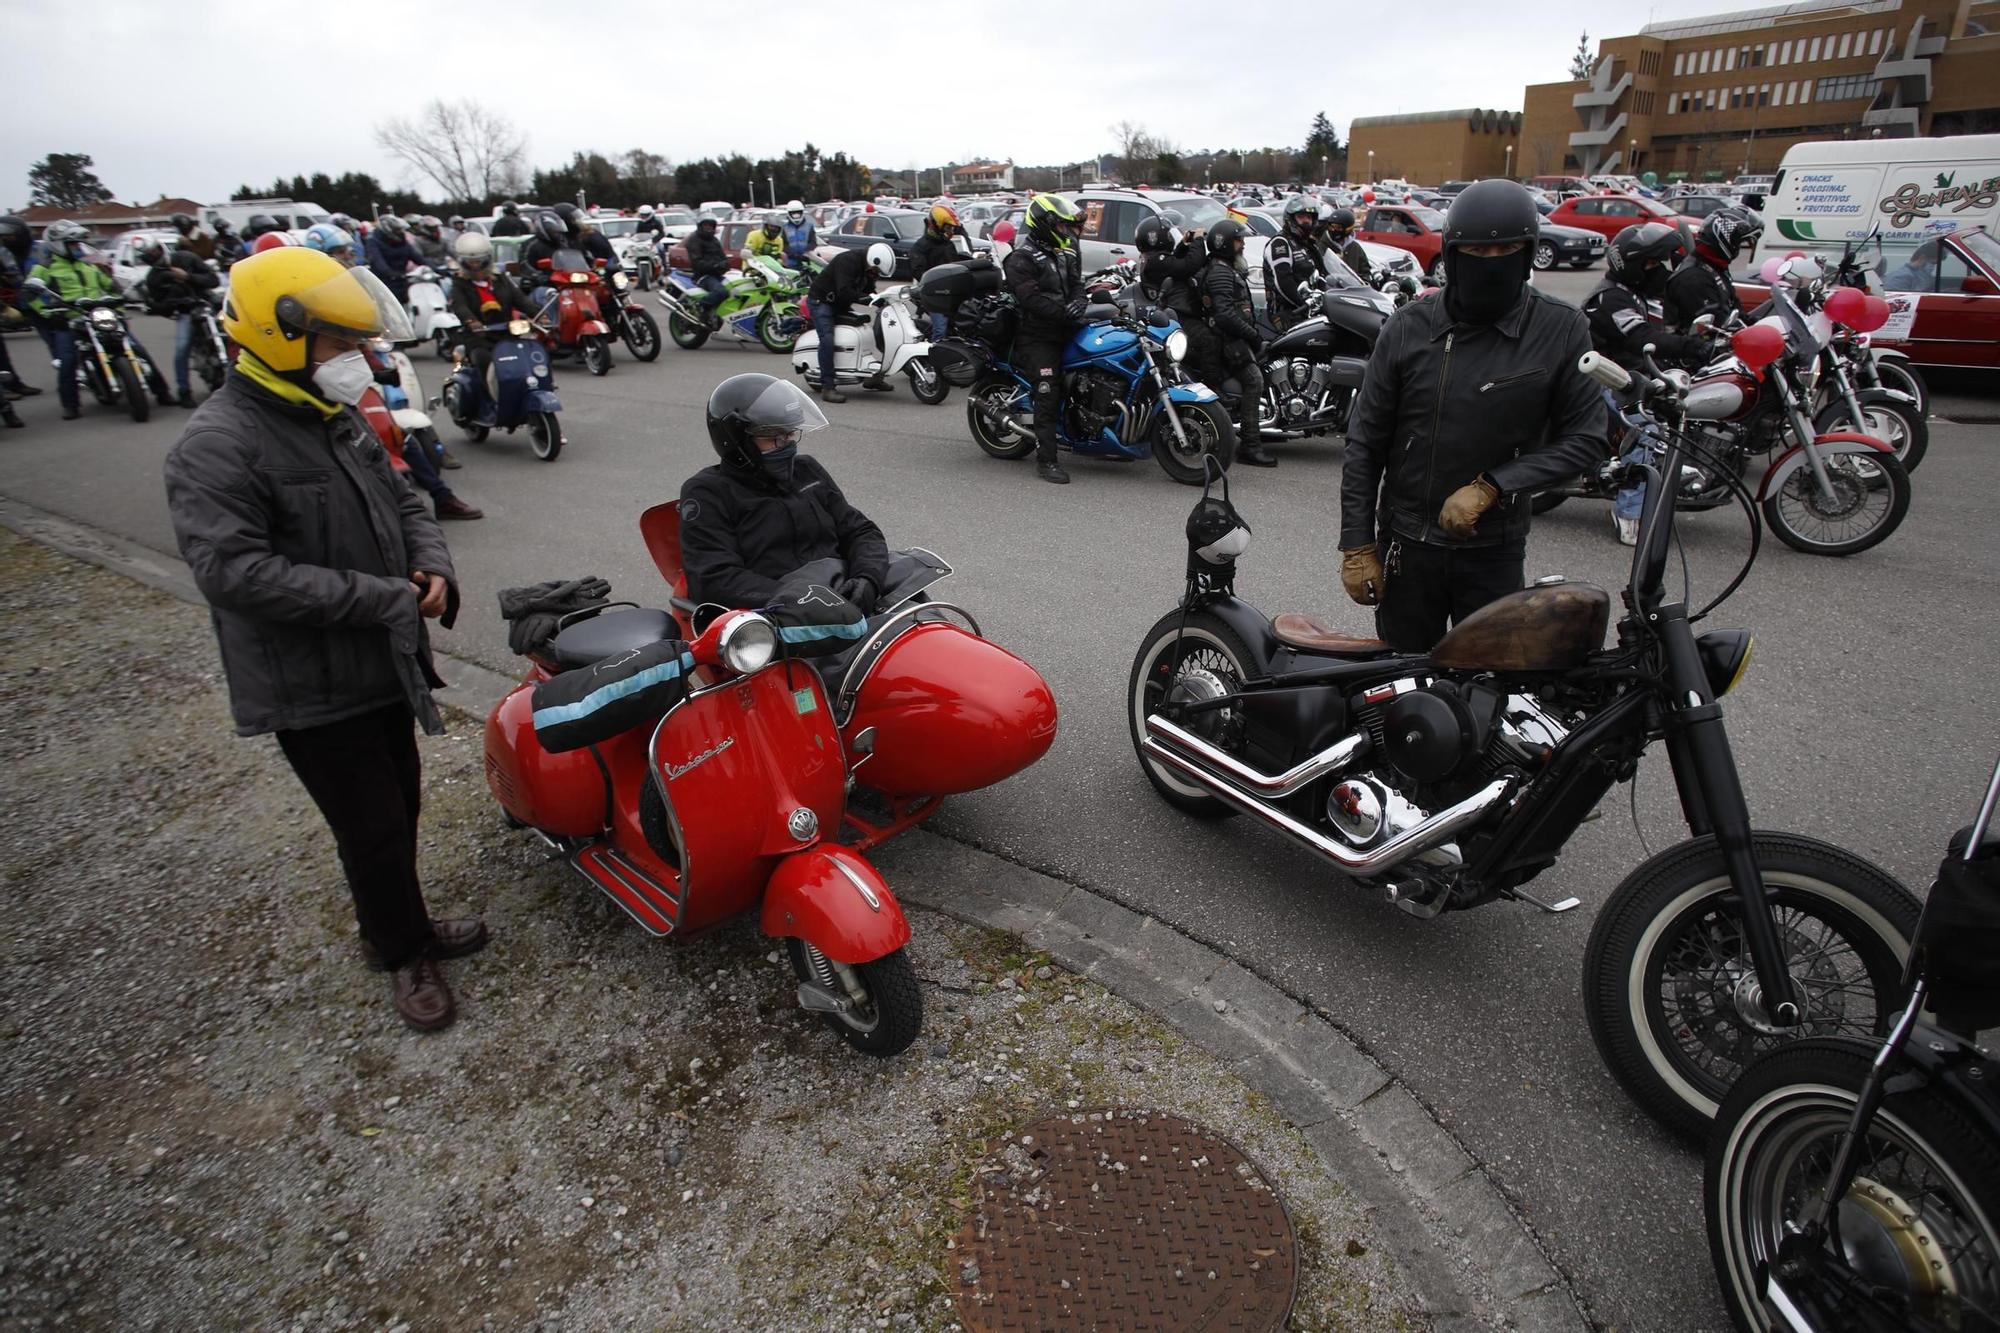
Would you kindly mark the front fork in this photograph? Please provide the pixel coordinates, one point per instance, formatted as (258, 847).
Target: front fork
(1705, 771)
(1165, 400)
(1802, 427)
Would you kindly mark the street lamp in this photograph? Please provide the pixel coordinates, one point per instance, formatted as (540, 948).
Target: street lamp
(1508, 170)
(1324, 179)
(1371, 166)
(1632, 156)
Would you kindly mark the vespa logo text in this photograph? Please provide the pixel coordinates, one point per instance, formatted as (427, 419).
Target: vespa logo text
(682, 770)
(1909, 203)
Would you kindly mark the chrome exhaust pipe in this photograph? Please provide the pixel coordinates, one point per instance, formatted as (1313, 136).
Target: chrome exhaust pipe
(1171, 741)
(1441, 827)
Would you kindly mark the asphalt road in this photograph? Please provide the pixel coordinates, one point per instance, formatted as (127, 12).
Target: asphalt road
(1869, 718)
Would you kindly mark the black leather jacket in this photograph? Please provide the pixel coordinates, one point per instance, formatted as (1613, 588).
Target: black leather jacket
(931, 250)
(741, 534)
(1290, 267)
(1169, 278)
(171, 295)
(1047, 288)
(1621, 328)
(706, 257)
(1444, 403)
(510, 224)
(1699, 288)
(1229, 308)
(842, 282)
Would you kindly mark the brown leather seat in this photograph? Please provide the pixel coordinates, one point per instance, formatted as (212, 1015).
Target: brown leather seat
(1306, 633)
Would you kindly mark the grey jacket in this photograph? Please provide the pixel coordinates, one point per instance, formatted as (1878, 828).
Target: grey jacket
(1444, 402)
(303, 539)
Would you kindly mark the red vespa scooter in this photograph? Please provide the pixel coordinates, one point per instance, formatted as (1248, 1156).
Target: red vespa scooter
(579, 325)
(735, 796)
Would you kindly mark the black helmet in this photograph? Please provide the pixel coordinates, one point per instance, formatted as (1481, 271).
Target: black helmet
(223, 227)
(152, 252)
(572, 218)
(1342, 219)
(14, 234)
(743, 406)
(1155, 233)
(1491, 212)
(1638, 247)
(346, 223)
(392, 226)
(260, 224)
(550, 228)
(1222, 234)
(1301, 206)
(1727, 231)
(184, 223)
(509, 208)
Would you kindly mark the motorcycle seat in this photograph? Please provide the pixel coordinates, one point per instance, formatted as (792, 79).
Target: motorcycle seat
(1308, 634)
(607, 634)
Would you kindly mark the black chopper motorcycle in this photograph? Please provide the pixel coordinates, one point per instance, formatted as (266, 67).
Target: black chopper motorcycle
(1856, 1185)
(1452, 779)
(1313, 370)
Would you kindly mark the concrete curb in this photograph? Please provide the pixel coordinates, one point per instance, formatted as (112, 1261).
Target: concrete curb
(1470, 1257)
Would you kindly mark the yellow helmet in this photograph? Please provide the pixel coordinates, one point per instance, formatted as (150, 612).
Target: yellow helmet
(279, 298)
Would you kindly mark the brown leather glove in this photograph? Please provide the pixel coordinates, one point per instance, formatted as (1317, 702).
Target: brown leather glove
(1463, 506)
(1361, 574)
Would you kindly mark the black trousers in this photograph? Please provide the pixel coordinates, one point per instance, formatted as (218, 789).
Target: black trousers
(1241, 360)
(1040, 361)
(363, 775)
(1429, 587)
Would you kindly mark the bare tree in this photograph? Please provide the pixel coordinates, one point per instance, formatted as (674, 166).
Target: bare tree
(1136, 149)
(470, 151)
(650, 174)
(1545, 151)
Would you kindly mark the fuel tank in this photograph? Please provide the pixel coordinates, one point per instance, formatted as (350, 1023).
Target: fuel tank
(1551, 628)
(952, 712)
(1721, 397)
(563, 794)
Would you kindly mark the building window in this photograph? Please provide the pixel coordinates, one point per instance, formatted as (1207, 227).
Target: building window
(1805, 90)
(1764, 95)
(1679, 61)
(1729, 59)
(1784, 53)
(1812, 52)
(1848, 87)
(1846, 45)
(1704, 63)
(1711, 98)
(1756, 56)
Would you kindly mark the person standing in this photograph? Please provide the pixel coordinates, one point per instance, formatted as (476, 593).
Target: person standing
(320, 567)
(1226, 293)
(938, 245)
(850, 278)
(1472, 402)
(15, 239)
(510, 223)
(1045, 275)
(176, 285)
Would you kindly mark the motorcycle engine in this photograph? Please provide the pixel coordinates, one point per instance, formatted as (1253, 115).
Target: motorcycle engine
(1096, 400)
(1437, 740)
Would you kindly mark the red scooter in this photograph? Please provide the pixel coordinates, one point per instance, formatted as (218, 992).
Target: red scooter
(735, 796)
(579, 325)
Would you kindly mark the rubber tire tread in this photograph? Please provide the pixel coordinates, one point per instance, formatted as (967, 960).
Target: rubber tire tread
(1201, 807)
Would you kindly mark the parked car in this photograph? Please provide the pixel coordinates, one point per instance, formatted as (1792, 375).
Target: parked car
(1451, 189)
(1700, 205)
(1609, 214)
(124, 251)
(1412, 227)
(1567, 245)
(1111, 220)
(900, 227)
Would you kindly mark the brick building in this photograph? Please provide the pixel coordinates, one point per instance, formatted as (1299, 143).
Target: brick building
(1710, 98)
(1434, 146)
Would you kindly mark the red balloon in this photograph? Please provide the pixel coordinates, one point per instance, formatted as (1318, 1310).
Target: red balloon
(1874, 314)
(1758, 346)
(1845, 304)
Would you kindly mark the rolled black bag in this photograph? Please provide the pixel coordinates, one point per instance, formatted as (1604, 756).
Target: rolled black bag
(1959, 937)
(625, 690)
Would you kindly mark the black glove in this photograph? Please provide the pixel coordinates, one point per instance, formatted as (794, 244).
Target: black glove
(860, 590)
(1074, 310)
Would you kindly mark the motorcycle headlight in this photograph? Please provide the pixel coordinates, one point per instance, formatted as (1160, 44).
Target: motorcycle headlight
(103, 316)
(520, 328)
(619, 280)
(1725, 657)
(1177, 345)
(748, 644)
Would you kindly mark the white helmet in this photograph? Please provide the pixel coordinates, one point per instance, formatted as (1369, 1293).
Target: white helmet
(474, 250)
(795, 207)
(882, 259)
(645, 210)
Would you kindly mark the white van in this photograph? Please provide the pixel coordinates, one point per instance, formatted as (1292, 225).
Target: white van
(1827, 194)
(293, 215)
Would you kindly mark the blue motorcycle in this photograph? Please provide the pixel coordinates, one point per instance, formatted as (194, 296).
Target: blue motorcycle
(519, 393)
(1124, 396)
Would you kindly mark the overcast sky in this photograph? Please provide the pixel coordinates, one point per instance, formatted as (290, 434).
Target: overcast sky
(195, 97)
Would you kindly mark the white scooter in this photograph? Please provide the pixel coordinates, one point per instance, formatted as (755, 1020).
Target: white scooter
(430, 313)
(894, 339)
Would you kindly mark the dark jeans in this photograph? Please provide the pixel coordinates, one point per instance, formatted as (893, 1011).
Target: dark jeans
(67, 344)
(1426, 587)
(363, 775)
(417, 452)
(1241, 360)
(715, 290)
(824, 325)
(1040, 362)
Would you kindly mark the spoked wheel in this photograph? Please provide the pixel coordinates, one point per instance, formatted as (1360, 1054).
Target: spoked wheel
(545, 435)
(137, 405)
(1209, 433)
(684, 331)
(103, 390)
(995, 428)
(1903, 378)
(1892, 421)
(1915, 1241)
(597, 355)
(455, 409)
(1871, 493)
(641, 335)
(1184, 659)
(775, 331)
(929, 387)
(1669, 988)
(888, 1010)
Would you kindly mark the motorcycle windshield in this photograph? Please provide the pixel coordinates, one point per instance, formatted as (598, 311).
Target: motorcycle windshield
(569, 261)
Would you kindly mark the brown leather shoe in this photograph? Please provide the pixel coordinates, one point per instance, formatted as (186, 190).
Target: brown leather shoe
(457, 508)
(422, 998)
(451, 939)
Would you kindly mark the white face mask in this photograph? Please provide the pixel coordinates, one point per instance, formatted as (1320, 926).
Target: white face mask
(344, 379)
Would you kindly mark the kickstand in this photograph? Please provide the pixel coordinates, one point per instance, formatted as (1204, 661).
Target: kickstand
(1553, 909)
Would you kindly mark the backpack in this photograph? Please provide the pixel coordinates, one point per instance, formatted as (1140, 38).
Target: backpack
(991, 319)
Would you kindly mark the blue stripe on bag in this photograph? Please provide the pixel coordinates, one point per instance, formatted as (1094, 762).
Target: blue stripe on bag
(808, 633)
(610, 694)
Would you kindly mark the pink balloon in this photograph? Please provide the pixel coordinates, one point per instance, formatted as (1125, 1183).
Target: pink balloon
(1769, 271)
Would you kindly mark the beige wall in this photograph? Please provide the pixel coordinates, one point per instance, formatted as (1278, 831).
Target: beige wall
(1428, 152)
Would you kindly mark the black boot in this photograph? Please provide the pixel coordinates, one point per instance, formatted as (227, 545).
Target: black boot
(1048, 469)
(833, 395)
(185, 398)
(9, 416)
(1254, 454)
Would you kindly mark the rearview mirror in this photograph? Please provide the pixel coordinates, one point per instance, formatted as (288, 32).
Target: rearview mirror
(35, 287)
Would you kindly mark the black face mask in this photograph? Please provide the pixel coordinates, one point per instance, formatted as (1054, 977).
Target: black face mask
(1653, 282)
(1482, 291)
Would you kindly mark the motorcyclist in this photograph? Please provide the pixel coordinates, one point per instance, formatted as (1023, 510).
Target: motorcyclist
(1293, 264)
(229, 246)
(334, 242)
(767, 238)
(15, 240)
(454, 227)
(176, 285)
(800, 236)
(548, 233)
(649, 221)
(510, 223)
(765, 509)
(482, 296)
(259, 226)
(1045, 275)
(1226, 293)
(1701, 285)
(1471, 403)
(193, 238)
(1170, 268)
(938, 245)
(1639, 263)
(709, 262)
(391, 256)
(428, 236)
(72, 277)
(1340, 240)
(848, 279)
(597, 247)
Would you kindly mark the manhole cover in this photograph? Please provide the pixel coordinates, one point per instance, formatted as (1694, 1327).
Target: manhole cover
(1127, 1220)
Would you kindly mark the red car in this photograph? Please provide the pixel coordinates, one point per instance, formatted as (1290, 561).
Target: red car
(1609, 214)
(1411, 227)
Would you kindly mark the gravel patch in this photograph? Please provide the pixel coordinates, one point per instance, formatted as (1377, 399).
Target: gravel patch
(210, 1116)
